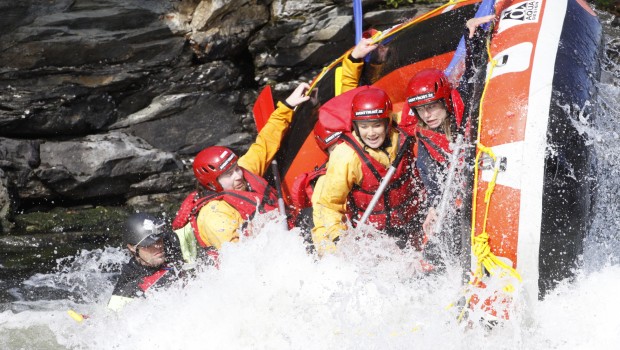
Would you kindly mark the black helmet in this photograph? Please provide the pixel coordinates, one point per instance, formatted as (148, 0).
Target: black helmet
(142, 229)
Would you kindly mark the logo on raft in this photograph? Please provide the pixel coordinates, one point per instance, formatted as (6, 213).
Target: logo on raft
(521, 13)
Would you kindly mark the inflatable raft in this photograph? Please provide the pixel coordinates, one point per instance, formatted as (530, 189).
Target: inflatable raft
(532, 183)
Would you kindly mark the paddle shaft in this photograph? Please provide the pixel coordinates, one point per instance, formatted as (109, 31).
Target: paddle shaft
(447, 193)
(276, 176)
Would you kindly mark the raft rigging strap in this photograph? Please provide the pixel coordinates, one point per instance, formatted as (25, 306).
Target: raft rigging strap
(486, 260)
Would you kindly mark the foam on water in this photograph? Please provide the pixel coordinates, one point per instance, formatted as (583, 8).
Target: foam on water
(270, 294)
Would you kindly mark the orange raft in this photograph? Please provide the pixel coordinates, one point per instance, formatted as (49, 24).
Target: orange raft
(533, 184)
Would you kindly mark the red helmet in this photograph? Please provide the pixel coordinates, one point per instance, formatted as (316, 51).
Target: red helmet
(212, 162)
(371, 104)
(428, 86)
(325, 137)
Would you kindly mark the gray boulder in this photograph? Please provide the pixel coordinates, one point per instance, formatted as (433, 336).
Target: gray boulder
(100, 165)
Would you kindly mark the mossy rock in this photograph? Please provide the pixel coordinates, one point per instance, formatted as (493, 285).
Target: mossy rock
(93, 219)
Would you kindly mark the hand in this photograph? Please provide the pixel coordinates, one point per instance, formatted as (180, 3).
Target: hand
(298, 96)
(363, 48)
(429, 222)
(475, 22)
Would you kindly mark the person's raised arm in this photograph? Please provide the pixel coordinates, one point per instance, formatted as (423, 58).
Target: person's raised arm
(353, 64)
(267, 143)
(473, 23)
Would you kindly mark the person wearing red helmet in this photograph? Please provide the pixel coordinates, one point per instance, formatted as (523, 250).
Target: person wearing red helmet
(306, 184)
(325, 138)
(431, 100)
(357, 166)
(231, 188)
(437, 109)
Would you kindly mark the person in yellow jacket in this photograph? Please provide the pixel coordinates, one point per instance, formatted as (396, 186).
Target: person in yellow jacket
(306, 184)
(232, 189)
(356, 168)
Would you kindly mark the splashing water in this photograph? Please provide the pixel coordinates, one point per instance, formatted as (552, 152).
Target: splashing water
(270, 294)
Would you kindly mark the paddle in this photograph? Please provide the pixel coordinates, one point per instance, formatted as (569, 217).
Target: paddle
(386, 180)
(448, 194)
(263, 107)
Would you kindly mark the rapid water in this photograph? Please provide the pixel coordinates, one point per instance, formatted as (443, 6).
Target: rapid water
(270, 294)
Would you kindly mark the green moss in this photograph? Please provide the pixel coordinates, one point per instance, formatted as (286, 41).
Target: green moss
(612, 6)
(71, 219)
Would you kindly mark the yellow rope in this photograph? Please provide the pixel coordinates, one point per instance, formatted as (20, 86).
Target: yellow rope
(486, 260)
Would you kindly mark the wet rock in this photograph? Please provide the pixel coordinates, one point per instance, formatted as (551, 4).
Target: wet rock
(177, 181)
(207, 120)
(6, 204)
(87, 219)
(221, 28)
(305, 40)
(68, 72)
(165, 205)
(100, 165)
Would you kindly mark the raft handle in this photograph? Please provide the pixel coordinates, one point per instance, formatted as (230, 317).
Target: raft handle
(488, 163)
(502, 61)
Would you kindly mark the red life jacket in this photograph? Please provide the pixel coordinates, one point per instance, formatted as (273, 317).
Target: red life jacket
(401, 200)
(262, 198)
(149, 281)
(303, 187)
(436, 144)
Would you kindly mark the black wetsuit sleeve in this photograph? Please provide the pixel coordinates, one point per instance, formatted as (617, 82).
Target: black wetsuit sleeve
(471, 84)
(430, 172)
(172, 249)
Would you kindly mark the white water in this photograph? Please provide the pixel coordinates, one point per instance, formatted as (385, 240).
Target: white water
(269, 294)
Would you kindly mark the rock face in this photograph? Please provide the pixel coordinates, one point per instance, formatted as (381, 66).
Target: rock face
(106, 102)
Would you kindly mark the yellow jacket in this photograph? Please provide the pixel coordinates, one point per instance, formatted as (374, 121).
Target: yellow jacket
(344, 171)
(218, 221)
(351, 72)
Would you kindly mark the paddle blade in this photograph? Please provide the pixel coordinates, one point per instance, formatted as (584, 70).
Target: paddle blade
(263, 107)
(76, 316)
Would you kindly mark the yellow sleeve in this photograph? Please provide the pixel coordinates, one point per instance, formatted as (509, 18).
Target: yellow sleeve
(351, 72)
(218, 223)
(318, 188)
(329, 199)
(261, 152)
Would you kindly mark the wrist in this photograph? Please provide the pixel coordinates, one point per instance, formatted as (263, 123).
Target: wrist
(287, 104)
(353, 59)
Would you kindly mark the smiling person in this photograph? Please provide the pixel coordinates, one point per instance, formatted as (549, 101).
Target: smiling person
(232, 189)
(157, 259)
(357, 166)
